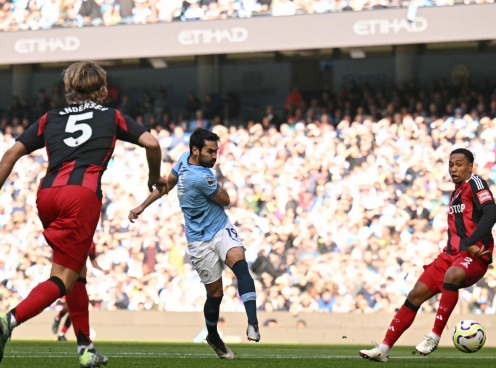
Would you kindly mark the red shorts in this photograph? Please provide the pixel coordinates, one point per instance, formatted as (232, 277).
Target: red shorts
(69, 215)
(433, 276)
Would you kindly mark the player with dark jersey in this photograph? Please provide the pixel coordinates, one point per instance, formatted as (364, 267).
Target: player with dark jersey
(79, 140)
(463, 262)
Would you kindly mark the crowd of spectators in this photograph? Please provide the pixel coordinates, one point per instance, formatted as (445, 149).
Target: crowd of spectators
(45, 14)
(340, 201)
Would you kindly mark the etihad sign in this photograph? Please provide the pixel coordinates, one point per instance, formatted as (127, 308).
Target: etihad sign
(388, 26)
(42, 45)
(210, 36)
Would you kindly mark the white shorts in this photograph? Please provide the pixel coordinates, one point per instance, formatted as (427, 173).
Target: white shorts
(208, 257)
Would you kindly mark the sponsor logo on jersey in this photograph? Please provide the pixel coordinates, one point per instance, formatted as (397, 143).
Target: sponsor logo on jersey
(387, 26)
(484, 196)
(458, 208)
(42, 45)
(210, 181)
(209, 36)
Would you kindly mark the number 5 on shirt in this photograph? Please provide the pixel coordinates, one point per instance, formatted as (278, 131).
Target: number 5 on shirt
(73, 127)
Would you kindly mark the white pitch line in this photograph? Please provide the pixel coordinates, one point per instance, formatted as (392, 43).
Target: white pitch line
(243, 356)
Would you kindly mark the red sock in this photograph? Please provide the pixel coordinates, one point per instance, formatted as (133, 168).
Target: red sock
(78, 303)
(448, 301)
(41, 297)
(400, 323)
(63, 330)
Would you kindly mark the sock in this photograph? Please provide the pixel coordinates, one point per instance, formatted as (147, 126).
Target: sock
(211, 312)
(400, 323)
(80, 348)
(449, 298)
(246, 289)
(434, 336)
(61, 314)
(66, 326)
(78, 302)
(13, 321)
(384, 348)
(41, 297)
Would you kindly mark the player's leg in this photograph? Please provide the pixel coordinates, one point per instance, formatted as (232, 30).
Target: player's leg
(211, 309)
(210, 270)
(232, 253)
(429, 284)
(41, 297)
(402, 320)
(78, 303)
(64, 329)
(58, 318)
(465, 271)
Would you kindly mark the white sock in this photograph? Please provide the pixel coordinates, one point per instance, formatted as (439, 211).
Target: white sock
(13, 322)
(384, 348)
(434, 336)
(82, 347)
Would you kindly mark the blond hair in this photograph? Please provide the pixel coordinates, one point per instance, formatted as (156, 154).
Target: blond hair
(85, 81)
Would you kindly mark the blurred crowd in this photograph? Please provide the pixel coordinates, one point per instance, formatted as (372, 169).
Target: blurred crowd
(45, 14)
(340, 201)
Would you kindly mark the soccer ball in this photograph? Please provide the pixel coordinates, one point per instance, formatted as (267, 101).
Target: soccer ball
(469, 336)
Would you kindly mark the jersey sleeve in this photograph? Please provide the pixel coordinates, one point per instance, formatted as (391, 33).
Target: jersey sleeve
(481, 193)
(179, 163)
(207, 185)
(127, 129)
(34, 138)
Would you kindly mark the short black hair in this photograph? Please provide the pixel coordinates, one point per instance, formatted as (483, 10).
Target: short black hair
(469, 155)
(199, 137)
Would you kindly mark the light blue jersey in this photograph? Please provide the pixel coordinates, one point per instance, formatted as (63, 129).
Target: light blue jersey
(196, 186)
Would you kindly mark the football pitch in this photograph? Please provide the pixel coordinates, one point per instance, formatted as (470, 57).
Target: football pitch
(41, 354)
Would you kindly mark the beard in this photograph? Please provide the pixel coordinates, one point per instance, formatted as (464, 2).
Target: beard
(206, 163)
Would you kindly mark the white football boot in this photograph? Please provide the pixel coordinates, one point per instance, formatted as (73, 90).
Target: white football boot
(253, 333)
(221, 349)
(375, 354)
(427, 346)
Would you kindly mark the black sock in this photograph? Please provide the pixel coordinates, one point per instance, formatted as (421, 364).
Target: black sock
(246, 288)
(211, 312)
(68, 322)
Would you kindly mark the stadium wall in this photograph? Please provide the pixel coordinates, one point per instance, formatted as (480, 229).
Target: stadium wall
(268, 82)
(328, 328)
(347, 29)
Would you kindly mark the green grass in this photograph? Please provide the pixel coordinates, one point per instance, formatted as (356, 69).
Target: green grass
(41, 354)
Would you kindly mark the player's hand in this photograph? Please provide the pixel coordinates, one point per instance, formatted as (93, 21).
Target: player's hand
(476, 252)
(134, 213)
(160, 184)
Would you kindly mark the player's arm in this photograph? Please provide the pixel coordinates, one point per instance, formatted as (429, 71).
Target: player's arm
(222, 197)
(9, 159)
(29, 141)
(484, 201)
(95, 264)
(154, 158)
(171, 181)
(156, 194)
(484, 228)
(209, 187)
(130, 131)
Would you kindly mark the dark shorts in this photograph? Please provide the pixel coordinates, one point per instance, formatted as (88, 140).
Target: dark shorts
(69, 215)
(433, 276)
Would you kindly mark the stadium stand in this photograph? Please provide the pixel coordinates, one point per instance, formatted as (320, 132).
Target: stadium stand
(47, 14)
(340, 201)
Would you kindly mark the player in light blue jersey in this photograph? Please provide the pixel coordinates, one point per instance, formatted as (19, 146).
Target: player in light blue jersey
(212, 239)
